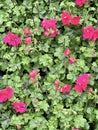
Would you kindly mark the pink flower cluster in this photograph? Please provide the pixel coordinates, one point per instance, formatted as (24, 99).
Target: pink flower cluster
(67, 53)
(90, 33)
(6, 94)
(81, 2)
(65, 88)
(27, 39)
(12, 39)
(19, 106)
(81, 83)
(67, 19)
(33, 74)
(50, 27)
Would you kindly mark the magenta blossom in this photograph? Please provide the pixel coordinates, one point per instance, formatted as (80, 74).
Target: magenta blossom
(19, 106)
(12, 39)
(6, 94)
(50, 27)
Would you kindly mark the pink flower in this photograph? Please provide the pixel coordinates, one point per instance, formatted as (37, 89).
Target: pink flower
(50, 27)
(54, 33)
(19, 127)
(80, 2)
(12, 39)
(75, 129)
(66, 18)
(6, 94)
(67, 52)
(65, 88)
(33, 73)
(28, 40)
(48, 24)
(19, 106)
(9, 92)
(57, 83)
(72, 60)
(95, 35)
(88, 32)
(46, 34)
(81, 83)
(3, 96)
(27, 31)
(75, 20)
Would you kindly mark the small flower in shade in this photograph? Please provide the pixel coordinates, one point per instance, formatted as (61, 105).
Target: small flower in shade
(57, 83)
(12, 39)
(81, 83)
(67, 52)
(81, 2)
(19, 106)
(28, 40)
(88, 33)
(6, 94)
(90, 90)
(75, 20)
(19, 127)
(75, 129)
(28, 49)
(36, 100)
(66, 18)
(27, 31)
(66, 88)
(72, 60)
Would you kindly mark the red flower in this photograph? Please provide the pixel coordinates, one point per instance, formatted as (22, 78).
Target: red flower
(75, 20)
(57, 83)
(6, 94)
(66, 18)
(28, 40)
(67, 52)
(65, 88)
(50, 27)
(81, 83)
(27, 31)
(88, 32)
(72, 60)
(80, 2)
(12, 39)
(19, 106)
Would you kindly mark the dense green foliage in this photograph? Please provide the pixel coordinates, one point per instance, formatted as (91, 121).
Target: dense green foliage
(53, 110)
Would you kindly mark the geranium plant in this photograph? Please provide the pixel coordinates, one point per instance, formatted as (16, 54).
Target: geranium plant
(48, 65)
